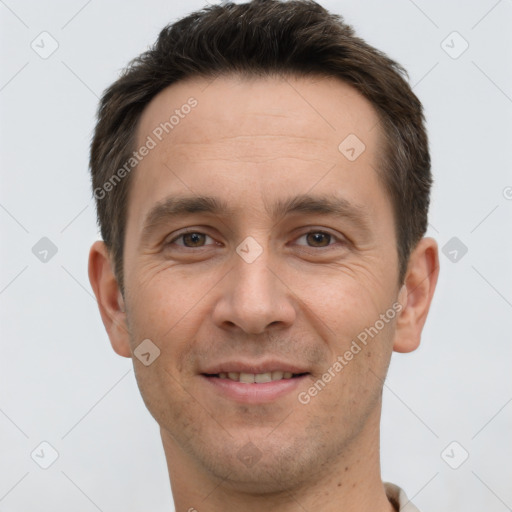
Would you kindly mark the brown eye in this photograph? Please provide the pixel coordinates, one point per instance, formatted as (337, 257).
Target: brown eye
(318, 239)
(190, 240)
(193, 239)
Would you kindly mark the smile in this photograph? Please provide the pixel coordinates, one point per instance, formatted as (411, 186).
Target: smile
(253, 388)
(256, 378)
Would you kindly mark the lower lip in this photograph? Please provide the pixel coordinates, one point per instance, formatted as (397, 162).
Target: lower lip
(254, 393)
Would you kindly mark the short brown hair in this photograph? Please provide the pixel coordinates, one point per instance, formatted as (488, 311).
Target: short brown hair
(266, 38)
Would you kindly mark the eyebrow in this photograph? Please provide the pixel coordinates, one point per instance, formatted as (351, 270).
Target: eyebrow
(175, 207)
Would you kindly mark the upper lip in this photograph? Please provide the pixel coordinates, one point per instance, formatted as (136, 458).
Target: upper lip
(261, 367)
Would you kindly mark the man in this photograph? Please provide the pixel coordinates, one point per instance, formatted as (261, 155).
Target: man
(262, 179)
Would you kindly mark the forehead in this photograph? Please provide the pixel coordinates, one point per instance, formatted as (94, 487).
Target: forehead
(259, 136)
(317, 108)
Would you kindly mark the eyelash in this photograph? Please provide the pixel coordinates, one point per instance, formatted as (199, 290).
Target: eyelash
(315, 231)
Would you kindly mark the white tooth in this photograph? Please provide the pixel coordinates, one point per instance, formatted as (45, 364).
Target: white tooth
(277, 375)
(234, 376)
(287, 375)
(248, 378)
(263, 377)
(222, 375)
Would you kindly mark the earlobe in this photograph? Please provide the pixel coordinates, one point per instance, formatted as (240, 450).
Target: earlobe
(109, 298)
(416, 295)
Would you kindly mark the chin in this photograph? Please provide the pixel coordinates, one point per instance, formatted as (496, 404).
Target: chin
(262, 466)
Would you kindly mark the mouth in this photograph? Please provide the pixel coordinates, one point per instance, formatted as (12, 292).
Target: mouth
(253, 388)
(256, 378)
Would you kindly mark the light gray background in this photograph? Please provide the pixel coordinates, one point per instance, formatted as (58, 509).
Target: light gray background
(60, 381)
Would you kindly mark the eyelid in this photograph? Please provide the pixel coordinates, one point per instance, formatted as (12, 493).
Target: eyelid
(187, 231)
(340, 239)
(324, 231)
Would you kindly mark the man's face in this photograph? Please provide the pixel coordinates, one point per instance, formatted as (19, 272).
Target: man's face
(292, 297)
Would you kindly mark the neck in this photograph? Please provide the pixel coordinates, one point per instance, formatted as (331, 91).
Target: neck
(351, 482)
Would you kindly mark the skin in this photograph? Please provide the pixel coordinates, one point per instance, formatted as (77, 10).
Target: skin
(251, 143)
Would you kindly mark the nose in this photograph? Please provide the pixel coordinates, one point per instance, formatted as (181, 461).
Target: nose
(254, 297)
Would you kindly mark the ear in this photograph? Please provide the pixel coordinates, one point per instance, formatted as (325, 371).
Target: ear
(110, 300)
(416, 295)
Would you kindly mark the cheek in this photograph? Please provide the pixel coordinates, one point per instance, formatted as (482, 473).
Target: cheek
(346, 310)
(169, 307)
(162, 392)
(167, 300)
(343, 301)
